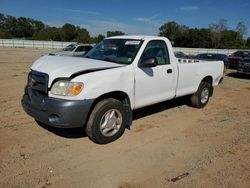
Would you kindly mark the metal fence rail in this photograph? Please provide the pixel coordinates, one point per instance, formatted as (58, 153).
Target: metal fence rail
(58, 44)
(32, 43)
(195, 51)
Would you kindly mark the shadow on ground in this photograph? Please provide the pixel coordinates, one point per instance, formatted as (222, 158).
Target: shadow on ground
(159, 107)
(65, 132)
(137, 114)
(238, 75)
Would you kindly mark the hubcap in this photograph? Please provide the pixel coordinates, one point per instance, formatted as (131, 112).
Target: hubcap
(111, 122)
(204, 95)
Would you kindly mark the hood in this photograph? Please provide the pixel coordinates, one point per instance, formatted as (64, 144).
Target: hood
(61, 66)
(61, 53)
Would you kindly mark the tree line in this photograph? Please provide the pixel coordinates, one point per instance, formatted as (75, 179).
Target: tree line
(27, 28)
(217, 35)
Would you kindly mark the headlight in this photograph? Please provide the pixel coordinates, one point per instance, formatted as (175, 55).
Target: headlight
(66, 88)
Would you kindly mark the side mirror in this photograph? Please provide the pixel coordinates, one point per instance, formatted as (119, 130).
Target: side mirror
(148, 62)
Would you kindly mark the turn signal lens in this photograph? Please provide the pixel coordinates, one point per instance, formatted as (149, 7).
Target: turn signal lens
(75, 89)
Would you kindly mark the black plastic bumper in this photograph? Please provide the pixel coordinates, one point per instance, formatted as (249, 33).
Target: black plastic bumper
(56, 112)
(244, 70)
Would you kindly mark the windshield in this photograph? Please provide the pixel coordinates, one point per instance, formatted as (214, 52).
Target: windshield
(122, 51)
(69, 48)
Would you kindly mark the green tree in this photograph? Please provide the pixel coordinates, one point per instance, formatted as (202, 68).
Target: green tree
(228, 39)
(2, 21)
(68, 32)
(248, 42)
(196, 39)
(114, 33)
(37, 25)
(10, 25)
(169, 30)
(181, 36)
(97, 39)
(82, 35)
(4, 34)
(216, 30)
(49, 33)
(23, 28)
(241, 30)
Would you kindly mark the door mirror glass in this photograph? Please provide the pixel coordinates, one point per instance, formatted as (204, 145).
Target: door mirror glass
(148, 62)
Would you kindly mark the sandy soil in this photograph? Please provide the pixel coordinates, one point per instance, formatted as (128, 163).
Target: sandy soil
(207, 147)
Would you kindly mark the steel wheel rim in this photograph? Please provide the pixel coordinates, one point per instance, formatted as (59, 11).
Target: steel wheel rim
(111, 122)
(204, 95)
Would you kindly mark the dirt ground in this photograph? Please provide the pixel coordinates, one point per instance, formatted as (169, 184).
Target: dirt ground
(207, 147)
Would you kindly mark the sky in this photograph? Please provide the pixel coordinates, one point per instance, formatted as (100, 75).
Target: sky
(130, 16)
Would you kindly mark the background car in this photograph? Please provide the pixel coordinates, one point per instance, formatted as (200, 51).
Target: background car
(236, 57)
(244, 65)
(180, 54)
(213, 56)
(78, 50)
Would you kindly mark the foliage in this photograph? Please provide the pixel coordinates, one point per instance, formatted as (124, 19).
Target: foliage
(217, 35)
(97, 39)
(27, 28)
(114, 33)
(248, 42)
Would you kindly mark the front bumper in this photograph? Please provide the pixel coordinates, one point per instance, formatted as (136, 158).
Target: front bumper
(56, 112)
(245, 70)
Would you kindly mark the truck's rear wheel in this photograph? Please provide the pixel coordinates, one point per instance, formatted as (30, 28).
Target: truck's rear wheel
(107, 121)
(201, 97)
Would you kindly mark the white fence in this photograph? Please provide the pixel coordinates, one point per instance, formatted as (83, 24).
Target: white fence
(57, 44)
(32, 43)
(195, 51)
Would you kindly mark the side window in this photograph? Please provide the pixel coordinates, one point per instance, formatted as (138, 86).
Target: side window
(87, 48)
(156, 49)
(80, 49)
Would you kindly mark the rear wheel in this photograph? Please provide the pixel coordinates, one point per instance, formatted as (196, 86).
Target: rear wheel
(107, 121)
(201, 97)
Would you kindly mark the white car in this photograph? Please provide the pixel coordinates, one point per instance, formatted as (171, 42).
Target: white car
(118, 75)
(74, 50)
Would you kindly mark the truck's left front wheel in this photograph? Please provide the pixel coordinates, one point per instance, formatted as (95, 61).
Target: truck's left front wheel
(107, 121)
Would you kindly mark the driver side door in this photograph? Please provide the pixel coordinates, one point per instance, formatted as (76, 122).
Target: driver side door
(158, 83)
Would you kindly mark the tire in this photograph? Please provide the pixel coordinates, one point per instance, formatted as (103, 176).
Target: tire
(201, 97)
(107, 121)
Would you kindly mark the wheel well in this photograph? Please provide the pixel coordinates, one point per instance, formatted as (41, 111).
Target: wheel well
(121, 96)
(209, 79)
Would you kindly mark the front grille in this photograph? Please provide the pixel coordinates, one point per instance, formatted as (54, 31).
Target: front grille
(38, 81)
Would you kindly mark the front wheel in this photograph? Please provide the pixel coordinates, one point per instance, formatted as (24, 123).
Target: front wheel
(107, 121)
(201, 97)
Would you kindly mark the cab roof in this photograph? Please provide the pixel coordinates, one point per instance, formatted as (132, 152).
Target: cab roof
(136, 37)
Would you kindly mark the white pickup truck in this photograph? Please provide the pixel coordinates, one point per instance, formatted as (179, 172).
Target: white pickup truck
(118, 75)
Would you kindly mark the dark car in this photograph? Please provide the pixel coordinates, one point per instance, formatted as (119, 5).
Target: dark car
(236, 57)
(244, 65)
(213, 57)
(180, 54)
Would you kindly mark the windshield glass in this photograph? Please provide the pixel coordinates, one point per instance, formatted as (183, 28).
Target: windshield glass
(122, 51)
(69, 48)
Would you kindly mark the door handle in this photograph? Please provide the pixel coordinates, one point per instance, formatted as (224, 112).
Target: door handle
(169, 71)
